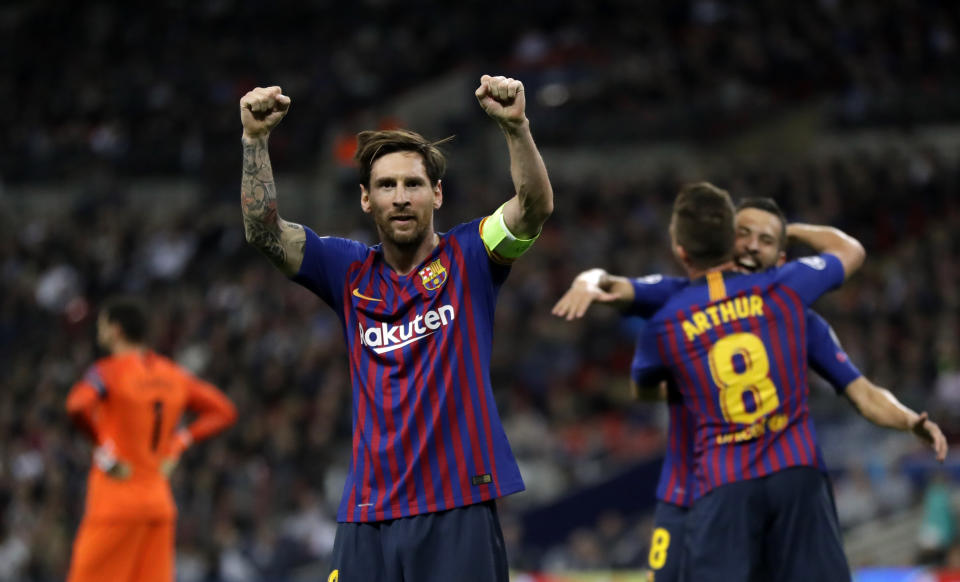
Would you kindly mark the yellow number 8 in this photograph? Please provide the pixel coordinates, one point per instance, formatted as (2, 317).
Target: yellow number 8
(658, 548)
(754, 378)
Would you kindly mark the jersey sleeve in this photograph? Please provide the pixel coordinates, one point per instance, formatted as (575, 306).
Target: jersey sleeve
(325, 263)
(646, 369)
(83, 402)
(651, 292)
(214, 410)
(826, 355)
(812, 276)
(470, 236)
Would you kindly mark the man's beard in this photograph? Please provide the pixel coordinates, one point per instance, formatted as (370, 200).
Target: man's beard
(404, 239)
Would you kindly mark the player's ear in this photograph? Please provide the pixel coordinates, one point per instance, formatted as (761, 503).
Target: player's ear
(681, 254)
(365, 199)
(438, 195)
(781, 259)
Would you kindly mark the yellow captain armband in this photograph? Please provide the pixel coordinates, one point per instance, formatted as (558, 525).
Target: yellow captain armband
(501, 244)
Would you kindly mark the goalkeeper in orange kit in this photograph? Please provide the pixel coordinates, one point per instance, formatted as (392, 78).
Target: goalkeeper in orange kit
(130, 403)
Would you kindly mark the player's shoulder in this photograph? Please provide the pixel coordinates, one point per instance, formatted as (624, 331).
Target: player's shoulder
(651, 292)
(661, 281)
(469, 228)
(465, 236)
(812, 265)
(341, 246)
(106, 365)
(99, 370)
(160, 365)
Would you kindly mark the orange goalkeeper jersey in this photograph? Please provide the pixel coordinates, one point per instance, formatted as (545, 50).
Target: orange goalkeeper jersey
(134, 402)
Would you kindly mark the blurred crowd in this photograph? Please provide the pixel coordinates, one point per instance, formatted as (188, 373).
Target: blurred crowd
(258, 501)
(152, 89)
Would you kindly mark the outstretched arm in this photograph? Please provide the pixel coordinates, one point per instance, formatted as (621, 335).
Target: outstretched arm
(503, 99)
(826, 239)
(282, 242)
(590, 286)
(881, 407)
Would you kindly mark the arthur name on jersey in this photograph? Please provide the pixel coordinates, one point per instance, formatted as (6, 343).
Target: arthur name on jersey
(386, 338)
(723, 312)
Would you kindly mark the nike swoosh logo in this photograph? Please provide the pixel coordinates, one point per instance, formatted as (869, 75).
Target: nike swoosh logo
(356, 293)
(386, 349)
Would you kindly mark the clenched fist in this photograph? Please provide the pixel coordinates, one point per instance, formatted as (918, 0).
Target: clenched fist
(261, 110)
(502, 98)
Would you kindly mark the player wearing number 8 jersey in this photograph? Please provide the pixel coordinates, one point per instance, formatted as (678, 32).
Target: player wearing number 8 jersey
(676, 485)
(735, 347)
(130, 404)
(761, 237)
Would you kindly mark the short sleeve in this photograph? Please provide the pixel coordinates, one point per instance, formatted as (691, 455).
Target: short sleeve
(826, 355)
(812, 276)
(651, 292)
(469, 236)
(325, 263)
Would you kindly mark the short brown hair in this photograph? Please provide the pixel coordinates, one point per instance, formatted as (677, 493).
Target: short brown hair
(371, 145)
(703, 224)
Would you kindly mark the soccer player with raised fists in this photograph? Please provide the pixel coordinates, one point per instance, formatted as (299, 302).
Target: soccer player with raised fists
(429, 452)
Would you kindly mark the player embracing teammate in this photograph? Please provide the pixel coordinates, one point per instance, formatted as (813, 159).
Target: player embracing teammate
(731, 343)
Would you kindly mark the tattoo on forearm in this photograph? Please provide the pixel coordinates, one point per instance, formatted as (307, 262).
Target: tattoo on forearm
(265, 238)
(263, 227)
(258, 193)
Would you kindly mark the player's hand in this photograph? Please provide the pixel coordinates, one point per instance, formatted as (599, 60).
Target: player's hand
(168, 466)
(120, 471)
(503, 100)
(261, 110)
(586, 289)
(105, 457)
(928, 431)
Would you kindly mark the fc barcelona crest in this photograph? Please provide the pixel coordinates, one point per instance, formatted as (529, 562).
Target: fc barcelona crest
(433, 276)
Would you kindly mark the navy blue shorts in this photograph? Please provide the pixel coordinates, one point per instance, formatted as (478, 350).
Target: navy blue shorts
(464, 544)
(778, 528)
(666, 543)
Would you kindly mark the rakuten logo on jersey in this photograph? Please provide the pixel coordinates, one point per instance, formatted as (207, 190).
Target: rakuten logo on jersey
(386, 338)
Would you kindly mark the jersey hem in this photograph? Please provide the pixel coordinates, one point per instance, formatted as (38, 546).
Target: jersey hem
(398, 512)
(761, 474)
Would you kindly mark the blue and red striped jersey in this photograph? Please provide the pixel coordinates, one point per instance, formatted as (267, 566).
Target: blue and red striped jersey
(426, 433)
(676, 483)
(736, 348)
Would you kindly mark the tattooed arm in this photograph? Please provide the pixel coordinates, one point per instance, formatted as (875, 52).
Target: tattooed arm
(281, 241)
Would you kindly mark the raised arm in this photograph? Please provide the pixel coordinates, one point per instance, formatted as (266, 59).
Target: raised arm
(881, 407)
(282, 242)
(503, 99)
(826, 239)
